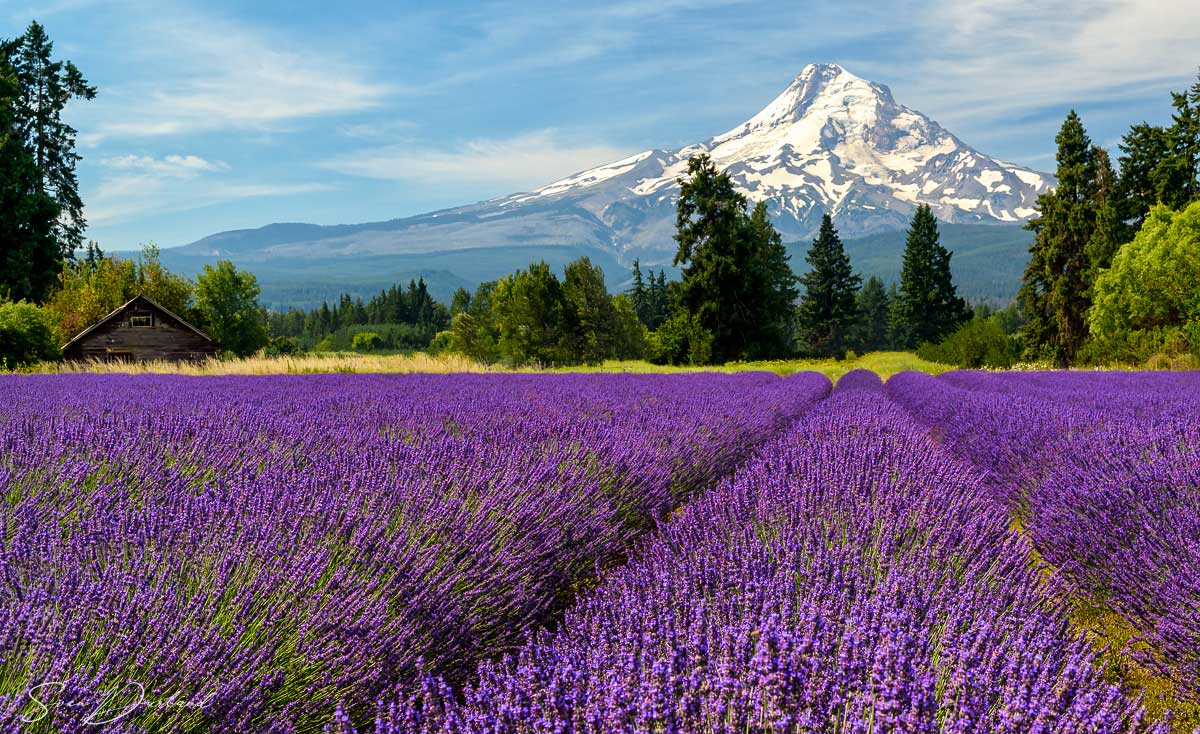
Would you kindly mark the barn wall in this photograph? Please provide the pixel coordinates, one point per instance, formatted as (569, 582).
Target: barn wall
(167, 339)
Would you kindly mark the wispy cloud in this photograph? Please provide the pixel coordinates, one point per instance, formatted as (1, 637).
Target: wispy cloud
(213, 74)
(1009, 58)
(515, 163)
(174, 166)
(136, 186)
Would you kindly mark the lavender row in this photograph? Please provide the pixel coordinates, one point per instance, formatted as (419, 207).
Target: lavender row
(852, 577)
(1104, 475)
(254, 549)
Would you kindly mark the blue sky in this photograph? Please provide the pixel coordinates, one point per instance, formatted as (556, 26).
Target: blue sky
(221, 115)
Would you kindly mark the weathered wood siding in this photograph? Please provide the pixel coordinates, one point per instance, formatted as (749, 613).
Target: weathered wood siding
(166, 339)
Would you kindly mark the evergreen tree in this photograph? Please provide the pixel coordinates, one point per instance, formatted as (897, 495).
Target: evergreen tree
(774, 284)
(29, 255)
(1178, 174)
(639, 295)
(1109, 231)
(46, 87)
(710, 232)
(829, 306)
(1054, 293)
(660, 300)
(591, 323)
(872, 331)
(929, 307)
(736, 282)
(1142, 149)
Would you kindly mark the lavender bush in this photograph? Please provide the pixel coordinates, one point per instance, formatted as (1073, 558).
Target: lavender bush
(252, 550)
(853, 577)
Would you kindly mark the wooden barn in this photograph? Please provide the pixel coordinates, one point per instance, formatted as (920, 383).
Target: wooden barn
(138, 331)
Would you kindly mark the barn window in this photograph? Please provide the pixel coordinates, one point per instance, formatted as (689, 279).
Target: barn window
(144, 322)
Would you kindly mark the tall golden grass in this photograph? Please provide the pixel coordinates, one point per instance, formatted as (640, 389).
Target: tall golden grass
(883, 363)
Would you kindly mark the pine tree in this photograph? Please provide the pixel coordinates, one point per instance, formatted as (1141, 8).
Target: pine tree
(1178, 174)
(1054, 293)
(929, 307)
(872, 330)
(829, 306)
(773, 284)
(660, 300)
(1109, 231)
(1142, 149)
(29, 256)
(47, 86)
(639, 295)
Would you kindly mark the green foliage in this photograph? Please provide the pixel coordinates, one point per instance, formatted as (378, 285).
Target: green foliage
(1055, 295)
(736, 281)
(25, 335)
(44, 88)
(530, 315)
(283, 346)
(871, 331)
(929, 307)
(386, 313)
(649, 296)
(1149, 300)
(227, 306)
(980, 342)
(681, 339)
(829, 306)
(366, 341)
(93, 288)
(589, 315)
(629, 337)
(472, 331)
(29, 253)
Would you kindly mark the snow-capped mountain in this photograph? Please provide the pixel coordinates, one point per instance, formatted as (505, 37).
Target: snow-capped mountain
(831, 142)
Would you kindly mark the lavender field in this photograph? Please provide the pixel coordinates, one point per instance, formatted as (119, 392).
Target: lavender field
(971, 552)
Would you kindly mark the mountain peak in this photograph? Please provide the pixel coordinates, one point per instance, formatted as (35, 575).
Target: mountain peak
(830, 142)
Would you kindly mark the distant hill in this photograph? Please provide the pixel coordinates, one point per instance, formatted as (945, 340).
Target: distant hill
(988, 262)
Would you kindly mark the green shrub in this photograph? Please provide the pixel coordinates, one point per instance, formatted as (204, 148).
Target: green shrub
(282, 346)
(681, 339)
(25, 335)
(978, 343)
(366, 341)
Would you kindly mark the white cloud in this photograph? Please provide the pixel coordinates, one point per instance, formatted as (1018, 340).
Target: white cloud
(205, 74)
(1009, 58)
(174, 166)
(139, 185)
(521, 162)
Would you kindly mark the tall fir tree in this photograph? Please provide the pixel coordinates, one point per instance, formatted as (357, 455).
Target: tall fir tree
(1109, 231)
(1178, 174)
(735, 280)
(929, 307)
(829, 305)
(639, 295)
(29, 255)
(1142, 149)
(872, 329)
(774, 284)
(1055, 290)
(47, 86)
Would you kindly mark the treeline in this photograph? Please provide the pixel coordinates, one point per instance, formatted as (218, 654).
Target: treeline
(395, 319)
(1114, 271)
(531, 316)
(737, 297)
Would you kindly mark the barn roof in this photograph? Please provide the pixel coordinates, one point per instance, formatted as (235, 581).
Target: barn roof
(122, 307)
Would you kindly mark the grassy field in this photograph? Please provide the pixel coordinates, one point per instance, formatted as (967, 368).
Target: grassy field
(885, 364)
